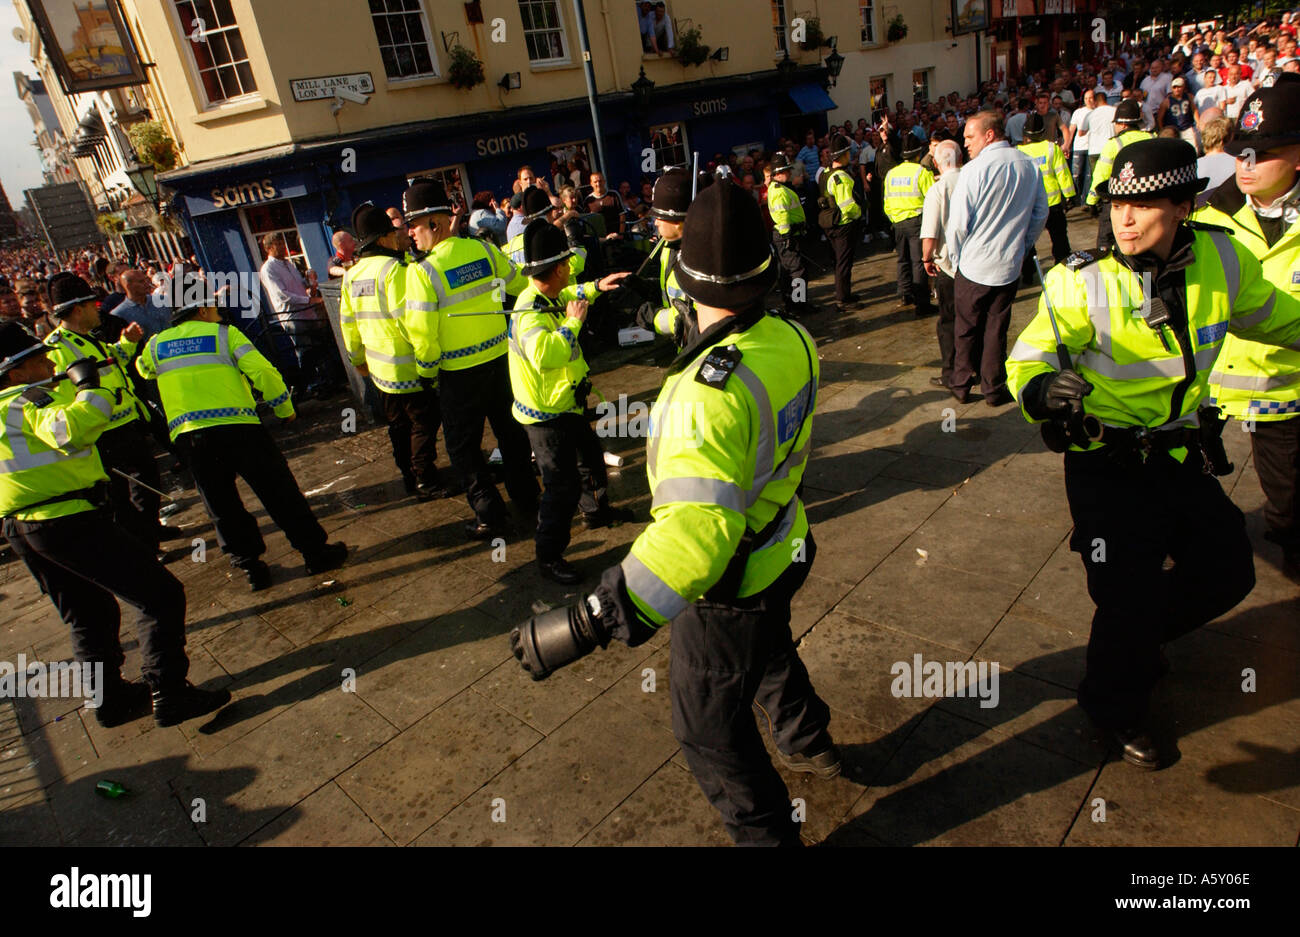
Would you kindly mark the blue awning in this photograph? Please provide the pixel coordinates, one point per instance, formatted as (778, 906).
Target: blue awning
(811, 99)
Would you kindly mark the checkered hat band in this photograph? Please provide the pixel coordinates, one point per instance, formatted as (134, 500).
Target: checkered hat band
(1169, 179)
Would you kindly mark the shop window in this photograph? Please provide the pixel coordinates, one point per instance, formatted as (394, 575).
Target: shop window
(656, 23)
(879, 96)
(217, 49)
(867, 20)
(669, 144)
(544, 32)
(273, 218)
(779, 34)
(403, 36)
(570, 165)
(453, 180)
(920, 87)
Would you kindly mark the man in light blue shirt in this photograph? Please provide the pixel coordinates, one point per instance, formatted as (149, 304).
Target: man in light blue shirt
(809, 156)
(141, 305)
(999, 207)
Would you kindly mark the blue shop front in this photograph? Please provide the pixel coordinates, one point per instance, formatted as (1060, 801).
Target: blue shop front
(306, 191)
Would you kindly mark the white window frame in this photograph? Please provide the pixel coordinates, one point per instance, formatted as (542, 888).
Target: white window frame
(868, 7)
(186, 30)
(886, 106)
(439, 172)
(685, 143)
(566, 57)
(781, 31)
(928, 73)
(428, 41)
(671, 51)
(255, 240)
(589, 147)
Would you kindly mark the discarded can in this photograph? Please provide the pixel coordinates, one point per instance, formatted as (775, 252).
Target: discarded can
(110, 789)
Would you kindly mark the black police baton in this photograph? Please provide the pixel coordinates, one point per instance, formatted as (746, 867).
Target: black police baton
(1080, 428)
(102, 365)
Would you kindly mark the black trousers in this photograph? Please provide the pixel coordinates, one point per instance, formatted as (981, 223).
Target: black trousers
(413, 430)
(913, 286)
(792, 268)
(1060, 235)
(573, 476)
(82, 561)
(216, 456)
(1129, 516)
(1275, 445)
(945, 327)
(983, 315)
(843, 241)
(1105, 236)
(135, 507)
(470, 396)
(727, 658)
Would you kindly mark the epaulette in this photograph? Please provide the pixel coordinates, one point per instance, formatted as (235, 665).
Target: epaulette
(37, 395)
(540, 301)
(1206, 226)
(1080, 259)
(718, 365)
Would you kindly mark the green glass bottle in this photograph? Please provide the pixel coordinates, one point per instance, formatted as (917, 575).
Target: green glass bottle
(109, 789)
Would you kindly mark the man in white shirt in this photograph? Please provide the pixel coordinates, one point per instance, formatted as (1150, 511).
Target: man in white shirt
(1076, 140)
(934, 218)
(1236, 91)
(296, 313)
(1101, 127)
(1212, 94)
(1155, 88)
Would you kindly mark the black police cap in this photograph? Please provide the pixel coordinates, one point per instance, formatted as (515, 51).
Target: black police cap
(16, 344)
(840, 145)
(67, 292)
(425, 197)
(1035, 127)
(535, 202)
(672, 194)
(1128, 111)
(545, 245)
(726, 257)
(1270, 118)
(780, 163)
(1157, 167)
(370, 223)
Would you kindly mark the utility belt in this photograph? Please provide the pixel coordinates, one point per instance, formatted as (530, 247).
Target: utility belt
(797, 231)
(727, 588)
(1134, 444)
(97, 494)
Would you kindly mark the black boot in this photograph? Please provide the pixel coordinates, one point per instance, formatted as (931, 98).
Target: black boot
(122, 702)
(559, 571)
(259, 575)
(178, 703)
(1137, 748)
(330, 556)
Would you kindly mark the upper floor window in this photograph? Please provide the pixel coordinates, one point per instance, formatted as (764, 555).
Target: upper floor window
(403, 38)
(217, 48)
(779, 26)
(544, 31)
(656, 27)
(867, 16)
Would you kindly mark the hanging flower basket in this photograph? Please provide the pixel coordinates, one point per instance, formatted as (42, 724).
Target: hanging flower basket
(897, 31)
(813, 37)
(465, 70)
(690, 50)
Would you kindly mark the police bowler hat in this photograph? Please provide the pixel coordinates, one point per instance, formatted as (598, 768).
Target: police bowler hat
(726, 258)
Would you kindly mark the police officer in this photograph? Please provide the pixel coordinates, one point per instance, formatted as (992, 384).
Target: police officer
(729, 544)
(548, 375)
(371, 318)
(1128, 407)
(846, 217)
(1128, 128)
(203, 368)
(788, 233)
(1253, 381)
(672, 314)
(123, 446)
(458, 330)
(537, 204)
(51, 480)
(1058, 183)
(904, 201)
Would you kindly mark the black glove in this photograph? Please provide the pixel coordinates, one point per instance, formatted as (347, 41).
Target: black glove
(84, 372)
(1063, 391)
(645, 316)
(429, 383)
(682, 325)
(548, 641)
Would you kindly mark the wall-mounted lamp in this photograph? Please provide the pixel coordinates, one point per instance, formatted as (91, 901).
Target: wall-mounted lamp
(721, 54)
(510, 81)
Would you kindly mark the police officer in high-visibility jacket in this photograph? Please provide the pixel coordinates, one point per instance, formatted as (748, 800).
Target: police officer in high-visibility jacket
(845, 213)
(904, 201)
(1128, 407)
(537, 204)
(788, 230)
(1127, 127)
(548, 375)
(729, 543)
(1057, 182)
(124, 445)
(51, 481)
(1252, 381)
(372, 319)
(671, 314)
(458, 329)
(204, 368)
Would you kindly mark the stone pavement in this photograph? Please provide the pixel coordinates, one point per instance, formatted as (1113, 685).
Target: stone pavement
(950, 545)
